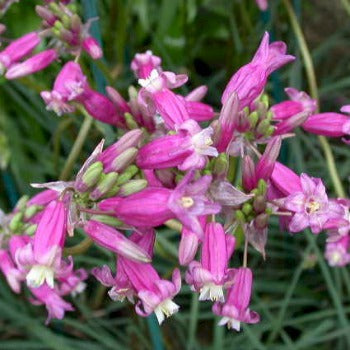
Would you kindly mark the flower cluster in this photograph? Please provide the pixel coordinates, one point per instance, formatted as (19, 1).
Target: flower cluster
(171, 166)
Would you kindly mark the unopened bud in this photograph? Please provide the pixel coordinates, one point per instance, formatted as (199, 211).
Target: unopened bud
(253, 119)
(31, 211)
(261, 221)
(76, 25)
(128, 173)
(259, 203)
(66, 21)
(240, 217)
(16, 222)
(106, 182)
(46, 14)
(132, 186)
(108, 220)
(124, 159)
(58, 25)
(263, 126)
(55, 8)
(90, 177)
(247, 208)
(22, 202)
(221, 165)
(130, 121)
(262, 186)
(270, 130)
(30, 230)
(265, 100)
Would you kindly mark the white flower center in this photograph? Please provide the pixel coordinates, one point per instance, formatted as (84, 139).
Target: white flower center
(212, 292)
(152, 83)
(187, 202)
(312, 206)
(231, 323)
(202, 143)
(165, 309)
(39, 274)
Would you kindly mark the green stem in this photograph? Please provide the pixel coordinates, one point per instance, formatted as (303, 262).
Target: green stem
(193, 321)
(77, 147)
(311, 77)
(79, 248)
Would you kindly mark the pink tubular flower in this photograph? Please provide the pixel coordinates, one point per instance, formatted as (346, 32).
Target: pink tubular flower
(310, 206)
(31, 65)
(43, 256)
(337, 252)
(211, 275)
(250, 80)
(328, 124)
(55, 305)
(188, 149)
(18, 49)
(70, 83)
(285, 179)
(299, 102)
(92, 47)
(155, 295)
(115, 241)
(73, 283)
(147, 208)
(262, 4)
(144, 63)
(156, 97)
(12, 274)
(236, 308)
(189, 201)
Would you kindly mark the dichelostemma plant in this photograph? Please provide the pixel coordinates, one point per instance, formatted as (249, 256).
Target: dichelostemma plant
(169, 167)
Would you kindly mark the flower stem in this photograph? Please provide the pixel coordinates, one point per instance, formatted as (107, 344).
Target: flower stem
(77, 147)
(79, 248)
(245, 254)
(311, 77)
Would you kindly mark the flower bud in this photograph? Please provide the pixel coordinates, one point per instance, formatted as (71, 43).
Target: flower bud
(128, 173)
(221, 165)
(123, 160)
(90, 177)
(108, 220)
(261, 221)
(106, 182)
(31, 211)
(259, 203)
(132, 186)
(247, 208)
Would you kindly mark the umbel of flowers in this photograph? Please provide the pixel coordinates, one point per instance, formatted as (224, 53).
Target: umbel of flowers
(169, 167)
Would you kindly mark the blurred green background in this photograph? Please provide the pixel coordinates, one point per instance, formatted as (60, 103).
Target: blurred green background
(304, 304)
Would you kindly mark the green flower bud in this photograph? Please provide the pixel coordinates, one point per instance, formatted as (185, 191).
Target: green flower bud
(22, 203)
(247, 208)
(270, 130)
(130, 121)
(265, 100)
(262, 187)
(66, 21)
(55, 8)
(253, 119)
(91, 176)
(132, 186)
(263, 126)
(124, 159)
(58, 25)
(106, 182)
(31, 211)
(16, 222)
(76, 25)
(259, 203)
(261, 221)
(128, 173)
(30, 230)
(108, 220)
(240, 217)
(221, 164)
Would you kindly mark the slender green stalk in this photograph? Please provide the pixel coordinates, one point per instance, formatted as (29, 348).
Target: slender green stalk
(79, 248)
(77, 147)
(311, 77)
(193, 321)
(346, 5)
(219, 334)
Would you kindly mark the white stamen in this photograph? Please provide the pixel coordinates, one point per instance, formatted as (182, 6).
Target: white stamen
(165, 309)
(39, 274)
(231, 323)
(212, 292)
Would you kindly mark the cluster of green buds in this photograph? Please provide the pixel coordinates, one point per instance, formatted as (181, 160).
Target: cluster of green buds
(66, 26)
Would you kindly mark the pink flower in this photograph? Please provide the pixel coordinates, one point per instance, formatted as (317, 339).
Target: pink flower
(337, 253)
(18, 49)
(115, 241)
(155, 294)
(285, 180)
(263, 4)
(31, 65)
(70, 83)
(12, 274)
(250, 80)
(55, 305)
(92, 47)
(189, 149)
(43, 256)
(299, 102)
(328, 124)
(73, 283)
(236, 308)
(310, 206)
(211, 275)
(144, 63)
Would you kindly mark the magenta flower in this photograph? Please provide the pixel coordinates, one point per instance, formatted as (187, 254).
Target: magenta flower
(13, 276)
(73, 284)
(299, 102)
(337, 252)
(92, 47)
(250, 80)
(55, 305)
(211, 275)
(310, 206)
(188, 149)
(43, 256)
(262, 4)
(31, 65)
(155, 294)
(285, 179)
(115, 241)
(70, 83)
(189, 201)
(236, 308)
(328, 124)
(18, 49)
(144, 63)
